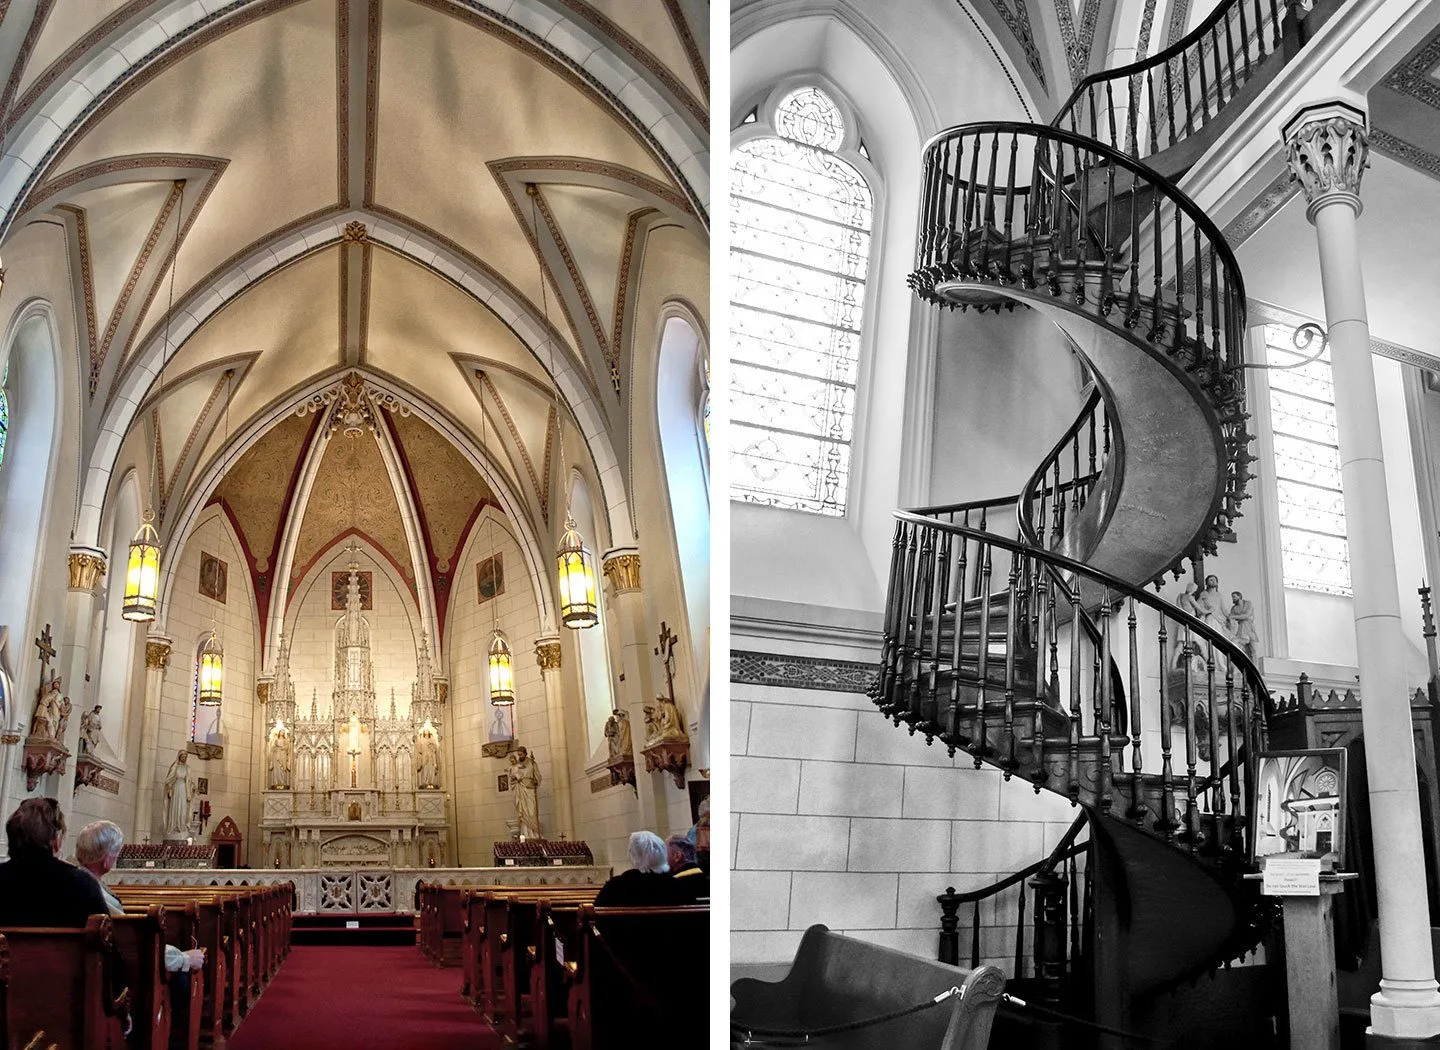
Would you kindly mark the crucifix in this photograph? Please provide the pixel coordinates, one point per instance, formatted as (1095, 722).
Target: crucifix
(47, 650)
(666, 651)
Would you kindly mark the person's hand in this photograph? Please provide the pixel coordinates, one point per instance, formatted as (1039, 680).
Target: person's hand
(195, 958)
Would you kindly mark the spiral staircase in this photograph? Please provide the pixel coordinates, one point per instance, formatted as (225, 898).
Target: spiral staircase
(1019, 630)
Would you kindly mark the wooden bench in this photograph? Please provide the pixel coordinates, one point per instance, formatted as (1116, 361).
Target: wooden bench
(838, 980)
(557, 937)
(508, 949)
(140, 940)
(66, 984)
(639, 970)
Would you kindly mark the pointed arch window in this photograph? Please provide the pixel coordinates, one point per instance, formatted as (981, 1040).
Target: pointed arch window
(4, 411)
(801, 217)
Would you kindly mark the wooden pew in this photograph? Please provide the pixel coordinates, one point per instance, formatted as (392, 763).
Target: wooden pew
(557, 939)
(66, 984)
(140, 940)
(509, 952)
(837, 980)
(639, 970)
(206, 1017)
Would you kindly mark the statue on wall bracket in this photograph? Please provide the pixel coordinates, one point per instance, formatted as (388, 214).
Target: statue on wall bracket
(667, 747)
(45, 751)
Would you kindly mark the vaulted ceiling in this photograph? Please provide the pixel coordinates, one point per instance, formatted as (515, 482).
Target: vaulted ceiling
(400, 189)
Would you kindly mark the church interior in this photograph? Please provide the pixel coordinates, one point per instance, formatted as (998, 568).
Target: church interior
(354, 484)
(1083, 522)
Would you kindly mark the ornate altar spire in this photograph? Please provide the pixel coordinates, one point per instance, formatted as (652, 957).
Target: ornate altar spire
(354, 691)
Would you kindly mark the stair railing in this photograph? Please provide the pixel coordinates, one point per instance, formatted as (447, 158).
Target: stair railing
(1058, 921)
(1042, 210)
(1027, 691)
(1065, 482)
(1155, 103)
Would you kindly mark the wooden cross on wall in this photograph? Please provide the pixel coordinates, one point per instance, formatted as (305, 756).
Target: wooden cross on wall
(666, 651)
(47, 653)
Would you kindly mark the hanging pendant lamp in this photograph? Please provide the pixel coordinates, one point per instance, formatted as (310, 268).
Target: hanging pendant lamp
(502, 671)
(212, 672)
(578, 607)
(142, 574)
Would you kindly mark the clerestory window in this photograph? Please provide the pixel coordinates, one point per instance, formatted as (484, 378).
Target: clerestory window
(801, 216)
(1314, 554)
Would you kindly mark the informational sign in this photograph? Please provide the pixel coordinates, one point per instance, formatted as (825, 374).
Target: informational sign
(1291, 877)
(556, 861)
(352, 924)
(509, 862)
(560, 951)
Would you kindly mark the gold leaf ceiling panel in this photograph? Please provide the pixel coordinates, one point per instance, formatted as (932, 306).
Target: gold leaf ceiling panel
(257, 487)
(352, 491)
(449, 489)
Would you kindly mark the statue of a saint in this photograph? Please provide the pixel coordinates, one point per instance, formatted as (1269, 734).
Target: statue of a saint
(617, 735)
(62, 721)
(90, 731)
(279, 757)
(427, 759)
(1241, 623)
(177, 797)
(47, 711)
(662, 722)
(525, 784)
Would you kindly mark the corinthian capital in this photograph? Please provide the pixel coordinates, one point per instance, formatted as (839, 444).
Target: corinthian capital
(87, 565)
(1327, 148)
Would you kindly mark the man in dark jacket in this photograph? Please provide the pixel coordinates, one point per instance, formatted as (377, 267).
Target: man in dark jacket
(680, 852)
(647, 883)
(37, 888)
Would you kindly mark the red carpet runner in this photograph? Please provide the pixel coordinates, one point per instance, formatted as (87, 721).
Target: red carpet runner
(362, 998)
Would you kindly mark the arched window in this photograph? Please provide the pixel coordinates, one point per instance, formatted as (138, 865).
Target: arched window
(682, 401)
(4, 411)
(800, 223)
(590, 642)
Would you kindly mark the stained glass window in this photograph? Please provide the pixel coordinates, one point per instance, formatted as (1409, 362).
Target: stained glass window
(1314, 554)
(4, 410)
(800, 251)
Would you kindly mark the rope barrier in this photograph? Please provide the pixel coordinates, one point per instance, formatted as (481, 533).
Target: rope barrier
(1134, 1037)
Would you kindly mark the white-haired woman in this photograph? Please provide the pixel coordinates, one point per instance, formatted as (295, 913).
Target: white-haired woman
(648, 880)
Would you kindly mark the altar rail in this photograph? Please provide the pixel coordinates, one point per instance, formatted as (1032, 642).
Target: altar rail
(340, 890)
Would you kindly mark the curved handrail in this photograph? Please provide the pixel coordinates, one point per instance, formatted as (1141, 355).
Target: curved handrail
(1035, 488)
(1234, 653)
(939, 202)
(1265, 14)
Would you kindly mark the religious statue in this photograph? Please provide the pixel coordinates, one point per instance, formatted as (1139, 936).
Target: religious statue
(47, 711)
(617, 735)
(177, 797)
(90, 731)
(427, 759)
(662, 722)
(280, 757)
(1241, 623)
(525, 784)
(62, 722)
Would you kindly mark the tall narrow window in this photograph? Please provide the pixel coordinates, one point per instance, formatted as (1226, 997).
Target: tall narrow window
(1314, 554)
(4, 411)
(800, 250)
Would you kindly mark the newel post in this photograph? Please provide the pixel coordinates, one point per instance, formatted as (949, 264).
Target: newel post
(1050, 933)
(949, 926)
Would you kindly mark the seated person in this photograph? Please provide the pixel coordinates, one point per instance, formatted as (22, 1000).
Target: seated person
(680, 852)
(97, 848)
(647, 882)
(37, 888)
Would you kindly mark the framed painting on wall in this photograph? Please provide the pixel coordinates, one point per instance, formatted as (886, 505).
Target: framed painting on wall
(1299, 804)
(490, 578)
(214, 577)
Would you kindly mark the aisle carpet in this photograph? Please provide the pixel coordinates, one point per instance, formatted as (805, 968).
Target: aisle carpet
(362, 998)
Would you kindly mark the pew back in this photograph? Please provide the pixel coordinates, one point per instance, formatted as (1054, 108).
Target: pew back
(65, 983)
(140, 940)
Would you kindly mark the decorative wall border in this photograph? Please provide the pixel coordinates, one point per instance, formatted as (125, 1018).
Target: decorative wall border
(1079, 44)
(1018, 22)
(1406, 153)
(1412, 77)
(801, 672)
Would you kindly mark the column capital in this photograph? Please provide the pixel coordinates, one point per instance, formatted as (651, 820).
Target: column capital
(157, 652)
(622, 568)
(87, 566)
(262, 688)
(547, 652)
(1327, 148)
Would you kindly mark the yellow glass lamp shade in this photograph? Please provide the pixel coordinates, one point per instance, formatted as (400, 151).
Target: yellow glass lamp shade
(142, 574)
(212, 672)
(578, 607)
(502, 672)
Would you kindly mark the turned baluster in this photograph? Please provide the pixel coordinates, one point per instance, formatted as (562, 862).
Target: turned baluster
(1204, 82)
(1044, 618)
(1167, 772)
(1010, 202)
(1231, 756)
(934, 186)
(1104, 702)
(891, 640)
(1011, 615)
(1275, 21)
(1217, 793)
(1177, 342)
(907, 599)
(1083, 166)
(1058, 226)
(1137, 807)
(1157, 312)
(929, 714)
(1245, 39)
(1230, 51)
(949, 926)
(1075, 699)
(1019, 971)
(1192, 756)
(1034, 216)
(1201, 350)
(1185, 86)
(1075, 473)
(987, 214)
(1077, 921)
(924, 596)
(957, 190)
(970, 205)
(1054, 680)
(1050, 933)
(983, 659)
(958, 641)
(975, 937)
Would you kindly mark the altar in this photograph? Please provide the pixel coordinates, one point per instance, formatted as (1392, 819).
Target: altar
(347, 784)
(343, 890)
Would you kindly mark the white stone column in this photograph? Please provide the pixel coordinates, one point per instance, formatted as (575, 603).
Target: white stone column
(622, 570)
(157, 659)
(1326, 148)
(87, 568)
(547, 655)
